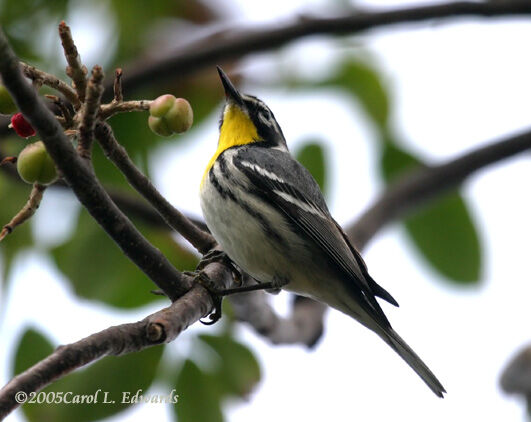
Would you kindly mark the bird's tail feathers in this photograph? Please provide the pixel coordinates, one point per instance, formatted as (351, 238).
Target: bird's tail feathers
(411, 358)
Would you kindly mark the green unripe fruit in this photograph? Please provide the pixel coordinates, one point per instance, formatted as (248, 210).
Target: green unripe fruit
(160, 106)
(180, 116)
(35, 165)
(159, 126)
(170, 115)
(7, 105)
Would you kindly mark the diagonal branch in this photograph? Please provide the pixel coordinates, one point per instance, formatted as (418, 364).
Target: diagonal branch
(161, 327)
(236, 43)
(81, 178)
(419, 186)
(201, 240)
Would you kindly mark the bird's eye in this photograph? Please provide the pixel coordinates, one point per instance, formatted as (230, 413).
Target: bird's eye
(265, 114)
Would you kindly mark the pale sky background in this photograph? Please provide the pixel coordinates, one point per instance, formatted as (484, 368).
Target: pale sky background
(454, 87)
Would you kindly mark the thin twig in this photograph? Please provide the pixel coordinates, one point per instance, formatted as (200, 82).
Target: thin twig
(81, 178)
(89, 112)
(75, 69)
(237, 42)
(52, 81)
(109, 110)
(200, 239)
(118, 94)
(26, 212)
(419, 186)
(69, 122)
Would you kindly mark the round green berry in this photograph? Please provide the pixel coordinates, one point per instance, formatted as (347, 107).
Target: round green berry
(180, 116)
(160, 106)
(35, 165)
(159, 126)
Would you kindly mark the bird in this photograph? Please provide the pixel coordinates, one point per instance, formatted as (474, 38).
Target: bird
(269, 216)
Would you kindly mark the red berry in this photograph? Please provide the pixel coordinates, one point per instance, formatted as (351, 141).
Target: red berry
(21, 126)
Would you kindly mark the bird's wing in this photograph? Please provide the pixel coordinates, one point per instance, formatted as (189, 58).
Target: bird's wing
(279, 179)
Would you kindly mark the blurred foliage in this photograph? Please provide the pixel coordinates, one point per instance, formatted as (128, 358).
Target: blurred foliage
(98, 270)
(13, 196)
(233, 373)
(112, 374)
(312, 156)
(442, 230)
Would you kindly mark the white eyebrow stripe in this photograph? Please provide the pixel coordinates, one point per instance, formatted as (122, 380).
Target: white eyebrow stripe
(302, 205)
(262, 171)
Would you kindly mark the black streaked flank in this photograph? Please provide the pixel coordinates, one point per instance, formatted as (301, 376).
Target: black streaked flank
(226, 193)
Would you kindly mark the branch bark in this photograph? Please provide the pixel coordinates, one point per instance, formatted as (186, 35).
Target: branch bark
(236, 43)
(420, 186)
(161, 327)
(201, 240)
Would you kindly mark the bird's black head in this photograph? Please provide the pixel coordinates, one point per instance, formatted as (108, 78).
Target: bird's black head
(246, 119)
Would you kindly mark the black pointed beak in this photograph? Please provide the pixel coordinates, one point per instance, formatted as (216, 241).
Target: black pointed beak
(231, 93)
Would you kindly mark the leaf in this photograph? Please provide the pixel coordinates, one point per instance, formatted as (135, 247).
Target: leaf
(312, 156)
(98, 269)
(239, 370)
(442, 230)
(32, 348)
(109, 378)
(199, 398)
(445, 234)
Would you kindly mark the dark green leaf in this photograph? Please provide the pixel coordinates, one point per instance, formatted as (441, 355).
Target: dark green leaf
(239, 370)
(32, 348)
(98, 269)
(443, 230)
(312, 156)
(445, 234)
(112, 376)
(199, 398)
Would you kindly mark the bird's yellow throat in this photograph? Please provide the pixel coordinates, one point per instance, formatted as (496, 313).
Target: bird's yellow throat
(237, 129)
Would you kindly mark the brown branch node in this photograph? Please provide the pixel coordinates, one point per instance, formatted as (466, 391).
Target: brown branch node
(117, 87)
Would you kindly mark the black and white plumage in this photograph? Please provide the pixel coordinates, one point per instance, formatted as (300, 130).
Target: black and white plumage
(269, 216)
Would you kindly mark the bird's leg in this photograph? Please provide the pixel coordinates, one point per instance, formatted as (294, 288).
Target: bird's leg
(218, 294)
(217, 255)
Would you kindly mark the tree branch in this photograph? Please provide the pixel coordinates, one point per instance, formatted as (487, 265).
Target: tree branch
(236, 43)
(201, 240)
(81, 178)
(304, 325)
(161, 327)
(419, 186)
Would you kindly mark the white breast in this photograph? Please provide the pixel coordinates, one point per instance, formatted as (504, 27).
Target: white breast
(241, 235)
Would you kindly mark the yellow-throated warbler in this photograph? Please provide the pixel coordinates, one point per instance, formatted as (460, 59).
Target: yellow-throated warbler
(269, 216)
